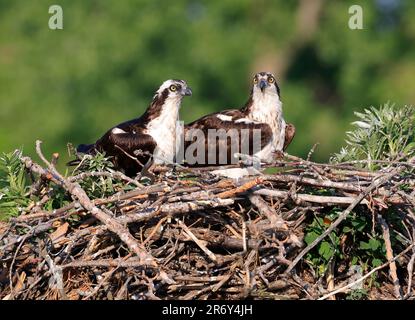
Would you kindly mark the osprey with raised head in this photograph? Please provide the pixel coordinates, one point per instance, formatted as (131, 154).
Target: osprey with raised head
(262, 113)
(131, 144)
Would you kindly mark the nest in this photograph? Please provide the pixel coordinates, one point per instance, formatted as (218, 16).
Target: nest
(192, 235)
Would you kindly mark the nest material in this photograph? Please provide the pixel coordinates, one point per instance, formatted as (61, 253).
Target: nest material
(192, 235)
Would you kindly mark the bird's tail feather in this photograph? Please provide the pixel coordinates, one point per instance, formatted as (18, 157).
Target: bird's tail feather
(85, 148)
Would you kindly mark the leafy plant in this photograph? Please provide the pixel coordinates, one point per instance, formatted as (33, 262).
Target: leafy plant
(352, 243)
(97, 162)
(358, 294)
(326, 249)
(13, 185)
(386, 133)
(98, 186)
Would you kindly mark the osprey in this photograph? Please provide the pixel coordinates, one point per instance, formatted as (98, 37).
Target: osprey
(262, 111)
(153, 133)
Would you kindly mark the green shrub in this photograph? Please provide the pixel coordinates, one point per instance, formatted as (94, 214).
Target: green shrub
(384, 134)
(13, 185)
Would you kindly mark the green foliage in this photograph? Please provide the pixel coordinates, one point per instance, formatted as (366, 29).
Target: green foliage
(15, 195)
(358, 294)
(325, 250)
(13, 185)
(353, 243)
(385, 134)
(103, 67)
(98, 187)
(98, 162)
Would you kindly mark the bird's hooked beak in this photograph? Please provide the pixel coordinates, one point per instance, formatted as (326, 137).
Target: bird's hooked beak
(262, 85)
(187, 92)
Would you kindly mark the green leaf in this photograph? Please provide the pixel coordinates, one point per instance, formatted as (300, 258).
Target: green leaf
(310, 237)
(325, 250)
(364, 245)
(376, 262)
(374, 244)
(358, 224)
(347, 229)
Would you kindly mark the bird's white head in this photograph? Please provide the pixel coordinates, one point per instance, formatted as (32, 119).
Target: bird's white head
(264, 104)
(168, 98)
(162, 116)
(264, 83)
(173, 89)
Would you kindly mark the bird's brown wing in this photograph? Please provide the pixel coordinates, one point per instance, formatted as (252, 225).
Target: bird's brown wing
(215, 151)
(235, 114)
(289, 134)
(130, 142)
(122, 146)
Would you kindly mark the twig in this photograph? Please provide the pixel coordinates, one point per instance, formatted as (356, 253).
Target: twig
(314, 182)
(330, 277)
(241, 189)
(172, 209)
(200, 244)
(115, 198)
(57, 275)
(389, 256)
(272, 216)
(328, 200)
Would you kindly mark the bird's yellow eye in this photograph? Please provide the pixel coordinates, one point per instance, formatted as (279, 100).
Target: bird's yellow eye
(173, 88)
(271, 80)
(255, 80)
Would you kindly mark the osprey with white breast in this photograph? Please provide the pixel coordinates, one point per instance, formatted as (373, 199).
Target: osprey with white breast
(262, 111)
(153, 133)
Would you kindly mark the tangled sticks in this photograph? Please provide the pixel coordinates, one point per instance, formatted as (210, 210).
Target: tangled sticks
(193, 235)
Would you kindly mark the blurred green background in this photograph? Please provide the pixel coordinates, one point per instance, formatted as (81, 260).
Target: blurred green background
(71, 85)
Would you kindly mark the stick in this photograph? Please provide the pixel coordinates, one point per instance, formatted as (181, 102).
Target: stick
(266, 210)
(115, 198)
(389, 256)
(172, 209)
(201, 245)
(313, 182)
(329, 200)
(57, 275)
(241, 189)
